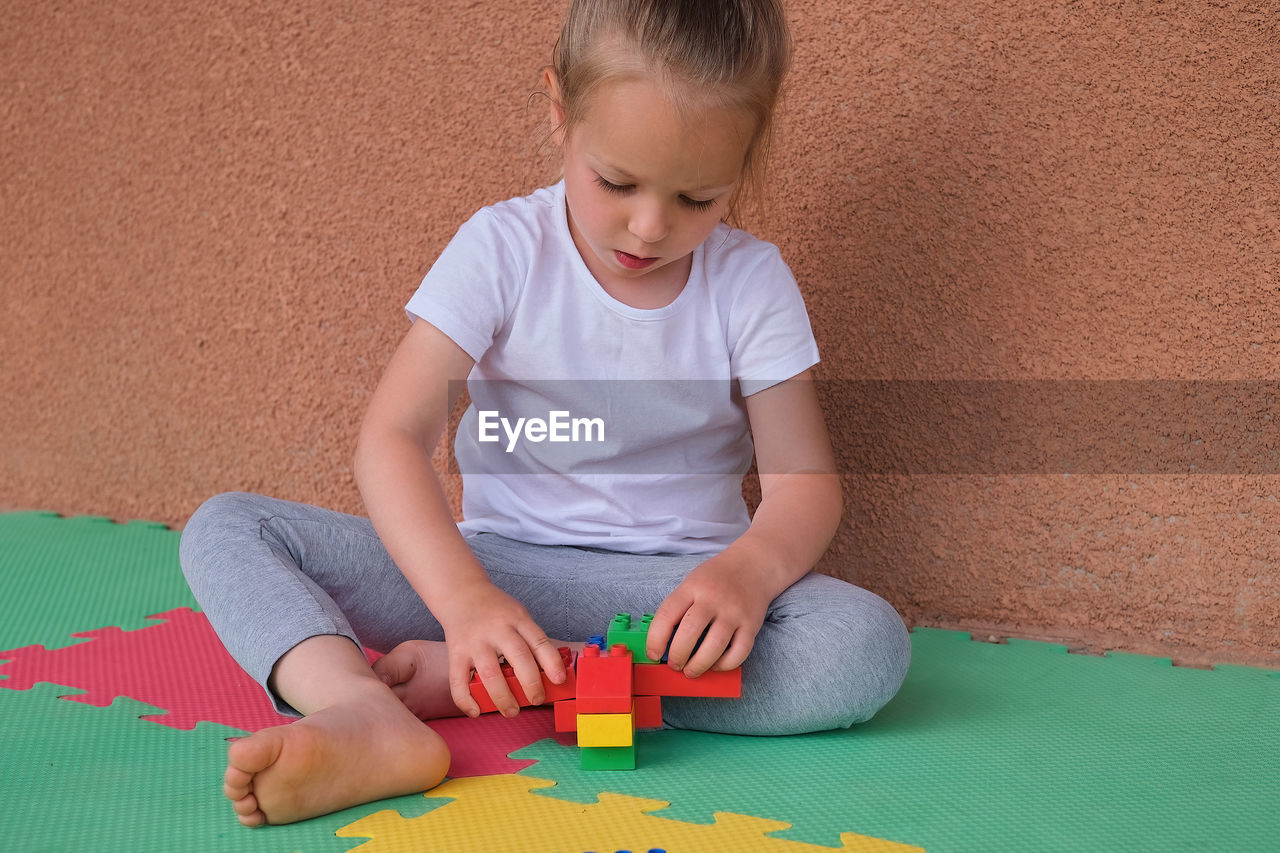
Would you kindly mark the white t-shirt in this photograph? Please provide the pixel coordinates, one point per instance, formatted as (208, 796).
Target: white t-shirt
(643, 436)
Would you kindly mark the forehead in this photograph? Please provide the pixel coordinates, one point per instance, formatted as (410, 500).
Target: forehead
(633, 127)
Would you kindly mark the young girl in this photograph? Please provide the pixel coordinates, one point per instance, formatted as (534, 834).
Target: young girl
(618, 295)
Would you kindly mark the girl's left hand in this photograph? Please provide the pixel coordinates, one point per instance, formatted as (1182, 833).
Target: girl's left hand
(718, 598)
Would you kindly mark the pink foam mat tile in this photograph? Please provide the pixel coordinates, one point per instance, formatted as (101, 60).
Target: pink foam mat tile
(180, 665)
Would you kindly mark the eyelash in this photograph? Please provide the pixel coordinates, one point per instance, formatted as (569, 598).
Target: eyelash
(618, 189)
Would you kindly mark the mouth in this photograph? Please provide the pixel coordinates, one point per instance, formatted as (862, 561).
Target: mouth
(633, 262)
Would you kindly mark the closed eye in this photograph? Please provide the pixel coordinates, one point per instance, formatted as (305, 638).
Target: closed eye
(694, 204)
(617, 189)
(623, 189)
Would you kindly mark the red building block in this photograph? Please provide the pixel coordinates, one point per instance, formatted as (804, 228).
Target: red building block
(653, 680)
(604, 680)
(554, 692)
(647, 711)
(604, 705)
(566, 719)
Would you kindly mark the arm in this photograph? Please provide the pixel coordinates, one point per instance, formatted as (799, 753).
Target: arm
(407, 505)
(799, 511)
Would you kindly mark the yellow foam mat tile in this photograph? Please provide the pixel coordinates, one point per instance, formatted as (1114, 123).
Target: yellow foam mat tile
(501, 814)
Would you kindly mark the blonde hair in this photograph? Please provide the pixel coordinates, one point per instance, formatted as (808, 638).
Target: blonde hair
(731, 53)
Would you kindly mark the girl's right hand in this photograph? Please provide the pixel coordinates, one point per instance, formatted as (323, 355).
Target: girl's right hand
(483, 624)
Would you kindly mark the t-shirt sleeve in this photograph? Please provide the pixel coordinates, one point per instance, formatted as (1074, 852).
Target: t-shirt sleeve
(469, 290)
(770, 335)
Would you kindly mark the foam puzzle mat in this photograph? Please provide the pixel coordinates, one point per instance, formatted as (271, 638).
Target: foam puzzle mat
(116, 703)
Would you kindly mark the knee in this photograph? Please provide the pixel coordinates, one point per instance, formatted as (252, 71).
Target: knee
(212, 523)
(871, 649)
(857, 652)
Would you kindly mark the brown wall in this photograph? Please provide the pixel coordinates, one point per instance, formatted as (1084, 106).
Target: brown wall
(210, 219)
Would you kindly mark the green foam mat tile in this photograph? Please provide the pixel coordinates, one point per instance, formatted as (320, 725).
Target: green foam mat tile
(64, 575)
(80, 778)
(1017, 746)
(989, 747)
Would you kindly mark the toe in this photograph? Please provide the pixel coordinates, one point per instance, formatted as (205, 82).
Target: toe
(246, 809)
(236, 783)
(252, 755)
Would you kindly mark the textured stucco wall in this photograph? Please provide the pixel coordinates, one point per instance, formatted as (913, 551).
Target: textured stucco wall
(210, 217)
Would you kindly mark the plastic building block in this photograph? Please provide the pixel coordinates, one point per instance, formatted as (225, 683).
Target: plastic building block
(605, 730)
(604, 675)
(634, 635)
(665, 681)
(604, 705)
(613, 692)
(648, 712)
(554, 692)
(566, 715)
(609, 757)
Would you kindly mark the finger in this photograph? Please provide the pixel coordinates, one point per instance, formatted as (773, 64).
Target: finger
(460, 688)
(396, 666)
(495, 682)
(739, 648)
(713, 644)
(686, 638)
(525, 667)
(547, 653)
(665, 619)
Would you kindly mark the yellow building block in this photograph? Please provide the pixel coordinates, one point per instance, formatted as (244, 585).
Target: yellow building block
(606, 729)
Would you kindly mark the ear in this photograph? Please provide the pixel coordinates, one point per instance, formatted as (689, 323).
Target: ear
(552, 83)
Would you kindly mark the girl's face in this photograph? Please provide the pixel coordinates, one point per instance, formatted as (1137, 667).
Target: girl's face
(645, 186)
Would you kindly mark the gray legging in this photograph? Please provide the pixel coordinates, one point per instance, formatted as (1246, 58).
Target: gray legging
(271, 573)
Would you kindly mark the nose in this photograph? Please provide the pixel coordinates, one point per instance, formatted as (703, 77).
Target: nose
(648, 221)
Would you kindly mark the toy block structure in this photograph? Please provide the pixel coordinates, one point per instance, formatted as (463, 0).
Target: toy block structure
(604, 718)
(614, 688)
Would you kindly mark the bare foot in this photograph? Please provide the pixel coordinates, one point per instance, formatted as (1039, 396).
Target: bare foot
(363, 749)
(417, 671)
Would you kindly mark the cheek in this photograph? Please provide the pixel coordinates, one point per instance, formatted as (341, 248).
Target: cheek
(598, 211)
(701, 226)
(585, 205)
(587, 215)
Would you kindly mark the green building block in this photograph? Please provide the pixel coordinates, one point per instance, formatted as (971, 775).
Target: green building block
(625, 630)
(608, 757)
